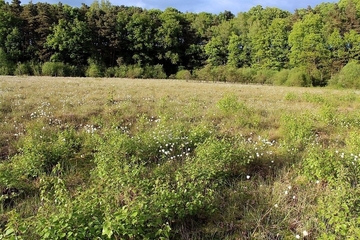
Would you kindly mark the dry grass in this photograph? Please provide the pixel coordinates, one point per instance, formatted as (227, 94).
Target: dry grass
(257, 208)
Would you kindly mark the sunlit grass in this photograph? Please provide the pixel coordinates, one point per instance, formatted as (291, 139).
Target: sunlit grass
(265, 177)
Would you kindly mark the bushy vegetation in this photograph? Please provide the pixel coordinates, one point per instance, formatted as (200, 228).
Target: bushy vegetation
(119, 159)
(348, 77)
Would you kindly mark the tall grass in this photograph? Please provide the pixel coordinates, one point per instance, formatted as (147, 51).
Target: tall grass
(120, 159)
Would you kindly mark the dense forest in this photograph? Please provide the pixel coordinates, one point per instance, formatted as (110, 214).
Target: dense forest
(311, 45)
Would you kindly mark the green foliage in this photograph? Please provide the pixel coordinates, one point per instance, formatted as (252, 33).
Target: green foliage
(121, 71)
(6, 66)
(56, 69)
(298, 77)
(338, 211)
(156, 72)
(183, 74)
(320, 164)
(134, 71)
(41, 150)
(264, 76)
(204, 73)
(291, 97)
(35, 68)
(353, 142)
(13, 45)
(280, 77)
(94, 70)
(348, 77)
(23, 69)
(297, 130)
(230, 104)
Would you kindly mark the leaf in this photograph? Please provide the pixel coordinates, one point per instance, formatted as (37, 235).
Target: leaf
(107, 229)
(9, 231)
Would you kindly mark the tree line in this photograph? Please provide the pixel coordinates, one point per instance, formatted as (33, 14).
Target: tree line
(313, 44)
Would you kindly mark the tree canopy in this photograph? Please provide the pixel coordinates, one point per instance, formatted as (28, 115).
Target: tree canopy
(321, 40)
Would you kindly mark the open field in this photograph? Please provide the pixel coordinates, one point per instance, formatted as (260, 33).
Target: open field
(84, 158)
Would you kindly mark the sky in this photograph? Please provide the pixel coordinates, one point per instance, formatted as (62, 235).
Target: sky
(211, 6)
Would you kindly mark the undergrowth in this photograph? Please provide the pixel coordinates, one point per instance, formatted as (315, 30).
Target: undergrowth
(132, 162)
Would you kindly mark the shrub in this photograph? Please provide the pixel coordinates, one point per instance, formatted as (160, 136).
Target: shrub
(298, 77)
(134, 71)
(6, 66)
(94, 70)
(230, 104)
(348, 77)
(280, 77)
(247, 75)
(204, 73)
(55, 69)
(110, 72)
(121, 71)
(231, 74)
(183, 74)
(35, 68)
(22, 69)
(297, 130)
(156, 72)
(264, 76)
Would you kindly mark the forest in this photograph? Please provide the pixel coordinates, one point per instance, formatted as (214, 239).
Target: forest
(309, 47)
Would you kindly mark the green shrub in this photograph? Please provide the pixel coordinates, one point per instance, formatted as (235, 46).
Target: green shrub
(232, 74)
(94, 70)
(23, 69)
(110, 72)
(280, 77)
(338, 212)
(121, 71)
(134, 71)
(218, 73)
(156, 72)
(348, 77)
(230, 104)
(204, 74)
(56, 69)
(35, 68)
(183, 75)
(6, 66)
(297, 130)
(298, 77)
(264, 76)
(322, 164)
(247, 75)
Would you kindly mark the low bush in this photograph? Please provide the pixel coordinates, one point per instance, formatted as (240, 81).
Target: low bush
(280, 77)
(264, 76)
(56, 69)
(35, 68)
(298, 78)
(22, 69)
(247, 75)
(134, 71)
(94, 70)
(156, 72)
(183, 75)
(348, 77)
(204, 74)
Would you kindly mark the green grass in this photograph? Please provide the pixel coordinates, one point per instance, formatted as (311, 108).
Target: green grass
(148, 159)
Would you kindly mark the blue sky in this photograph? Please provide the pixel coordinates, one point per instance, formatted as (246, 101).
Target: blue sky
(213, 6)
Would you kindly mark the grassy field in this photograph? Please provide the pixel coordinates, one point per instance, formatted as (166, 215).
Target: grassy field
(84, 158)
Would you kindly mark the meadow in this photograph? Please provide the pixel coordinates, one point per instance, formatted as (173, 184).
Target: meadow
(107, 158)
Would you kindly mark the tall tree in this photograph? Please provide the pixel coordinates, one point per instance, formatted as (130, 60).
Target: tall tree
(217, 48)
(71, 42)
(308, 47)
